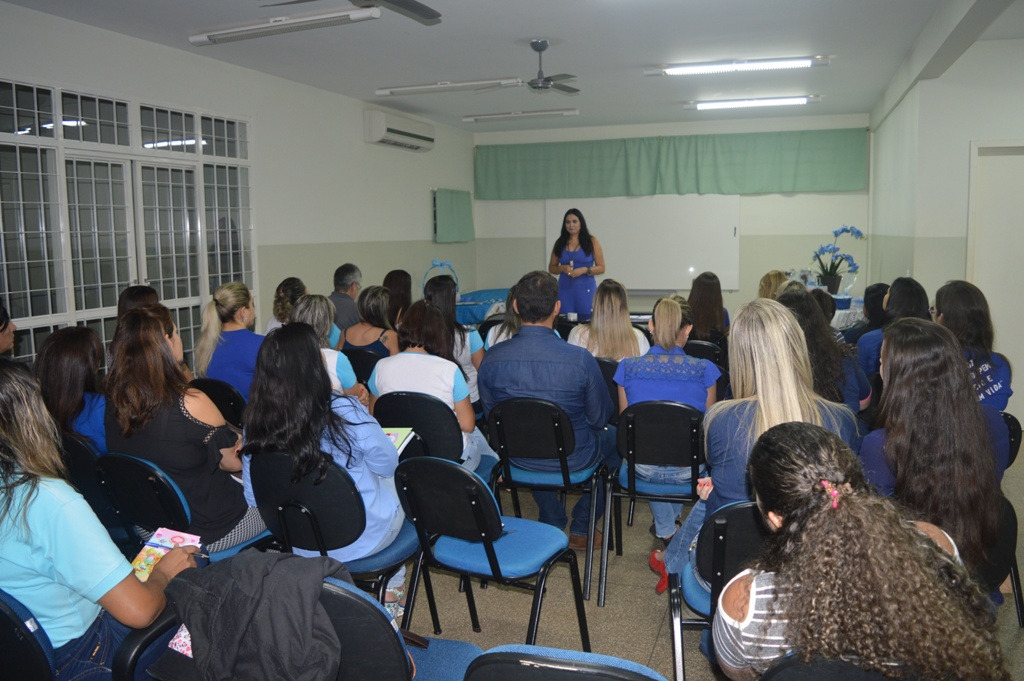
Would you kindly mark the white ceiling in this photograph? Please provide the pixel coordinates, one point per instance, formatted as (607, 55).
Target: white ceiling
(605, 43)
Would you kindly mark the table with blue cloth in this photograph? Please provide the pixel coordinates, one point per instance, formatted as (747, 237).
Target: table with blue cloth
(473, 306)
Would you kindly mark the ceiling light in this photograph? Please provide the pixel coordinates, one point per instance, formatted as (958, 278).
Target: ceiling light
(449, 86)
(748, 103)
(737, 66)
(477, 118)
(276, 25)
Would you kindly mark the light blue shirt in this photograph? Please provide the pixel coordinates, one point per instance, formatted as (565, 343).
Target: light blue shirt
(63, 564)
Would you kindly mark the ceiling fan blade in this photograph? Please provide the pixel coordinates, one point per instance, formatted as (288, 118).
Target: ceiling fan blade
(564, 88)
(561, 76)
(288, 2)
(410, 8)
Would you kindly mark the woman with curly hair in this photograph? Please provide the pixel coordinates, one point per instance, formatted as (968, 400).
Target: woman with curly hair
(286, 295)
(67, 368)
(961, 307)
(827, 587)
(837, 376)
(938, 451)
(610, 333)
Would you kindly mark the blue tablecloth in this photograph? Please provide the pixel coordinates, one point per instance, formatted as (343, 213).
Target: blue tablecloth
(473, 305)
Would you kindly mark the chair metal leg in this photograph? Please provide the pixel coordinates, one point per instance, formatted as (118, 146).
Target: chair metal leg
(675, 609)
(632, 511)
(605, 542)
(515, 503)
(410, 600)
(581, 611)
(466, 584)
(431, 602)
(618, 524)
(1018, 598)
(597, 479)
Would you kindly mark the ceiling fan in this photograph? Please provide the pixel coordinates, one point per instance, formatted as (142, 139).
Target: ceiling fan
(409, 8)
(539, 84)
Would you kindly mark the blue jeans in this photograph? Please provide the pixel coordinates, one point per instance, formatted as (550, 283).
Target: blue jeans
(553, 513)
(683, 547)
(664, 512)
(91, 655)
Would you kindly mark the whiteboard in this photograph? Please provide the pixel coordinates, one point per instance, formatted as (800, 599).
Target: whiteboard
(659, 242)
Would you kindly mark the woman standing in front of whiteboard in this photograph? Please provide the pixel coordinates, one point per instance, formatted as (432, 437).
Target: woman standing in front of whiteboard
(576, 258)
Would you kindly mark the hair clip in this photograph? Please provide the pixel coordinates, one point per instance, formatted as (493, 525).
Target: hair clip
(832, 491)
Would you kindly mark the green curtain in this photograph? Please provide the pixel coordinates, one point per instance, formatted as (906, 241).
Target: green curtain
(747, 163)
(453, 216)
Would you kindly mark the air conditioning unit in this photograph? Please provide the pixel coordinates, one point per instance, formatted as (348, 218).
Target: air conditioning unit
(381, 127)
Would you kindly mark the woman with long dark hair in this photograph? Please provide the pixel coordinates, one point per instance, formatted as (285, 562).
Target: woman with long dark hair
(905, 298)
(374, 331)
(467, 346)
(846, 576)
(227, 346)
(937, 451)
(961, 307)
(153, 414)
(576, 258)
(67, 368)
(334, 430)
(426, 365)
(55, 556)
(710, 318)
(873, 313)
(399, 285)
(837, 376)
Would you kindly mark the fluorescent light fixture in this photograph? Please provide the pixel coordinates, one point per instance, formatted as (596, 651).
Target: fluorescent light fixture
(478, 118)
(172, 143)
(69, 123)
(737, 66)
(449, 86)
(276, 25)
(749, 103)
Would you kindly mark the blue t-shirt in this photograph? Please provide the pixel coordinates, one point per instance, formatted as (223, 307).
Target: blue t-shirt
(869, 352)
(729, 444)
(63, 565)
(234, 360)
(663, 375)
(89, 422)
(854, 386)
(372, 457)
(991, 379)
(335, 336)
(876, 469)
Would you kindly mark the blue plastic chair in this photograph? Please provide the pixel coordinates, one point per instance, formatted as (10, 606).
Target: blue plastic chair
(461, 530)
(324, 515)
(536, 663)
(147, 497)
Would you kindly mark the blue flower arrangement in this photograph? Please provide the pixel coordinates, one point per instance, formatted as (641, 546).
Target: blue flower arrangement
(836, 259)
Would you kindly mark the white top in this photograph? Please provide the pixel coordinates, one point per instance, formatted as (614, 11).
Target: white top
(580, 336)
(274, 323)
(463, 350)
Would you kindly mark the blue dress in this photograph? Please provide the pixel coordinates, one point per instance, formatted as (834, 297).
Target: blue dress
(576, 293)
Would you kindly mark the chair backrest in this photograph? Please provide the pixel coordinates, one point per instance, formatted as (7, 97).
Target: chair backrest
(432, 420)
(722, 386)
(142, 493)
(528, 428)
(442, 497)
(729, 541)
(661, 433)
(227, 398)
(25, 649)
(317, 516)
(564, 327)
(792, 668)
(487, 324)
(608, 367)
(1013, 426)
(1000, 558)
(703, 350)
(371, 647)
(642, 328)
(363, 361)
(534, 663)
(80, 459)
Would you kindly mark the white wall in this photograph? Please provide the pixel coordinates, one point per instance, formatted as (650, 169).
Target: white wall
(321, 195)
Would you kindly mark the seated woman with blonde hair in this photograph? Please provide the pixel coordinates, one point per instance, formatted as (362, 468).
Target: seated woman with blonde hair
(227, 346)
(610, 332)
(318, 312)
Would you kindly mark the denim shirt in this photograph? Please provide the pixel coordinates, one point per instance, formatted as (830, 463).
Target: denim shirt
(537, 363)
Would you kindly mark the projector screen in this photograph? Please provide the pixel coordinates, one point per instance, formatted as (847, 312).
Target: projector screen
(659, 243)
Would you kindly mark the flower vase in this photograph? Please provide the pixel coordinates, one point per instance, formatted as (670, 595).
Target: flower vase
(831, 282)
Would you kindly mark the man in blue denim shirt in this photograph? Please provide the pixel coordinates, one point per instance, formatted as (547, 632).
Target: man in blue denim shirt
(537, 363)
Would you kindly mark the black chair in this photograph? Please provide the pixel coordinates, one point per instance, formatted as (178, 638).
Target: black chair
(1013, 426)
(534, 663)
(729, 540)
(433, 421)
(487, 324)
(642, 328)
(564, 327)
(723, 391)
(325, 515)
(1002, 559)
(704, 350)
(528, 428)
(608, 368)
(227, 398)
(80, 459)
(656, 433)
(147, 497)
(792, 668)
(363, 362)
(461, 530)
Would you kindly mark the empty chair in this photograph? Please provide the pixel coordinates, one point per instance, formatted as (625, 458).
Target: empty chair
(536, 663)
(227, 398)
(324, 515)
(147, 497)
(362, 361)
(461, 530)
(704, 350)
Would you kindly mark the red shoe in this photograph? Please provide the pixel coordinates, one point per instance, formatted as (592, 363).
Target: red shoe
(658, 566)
